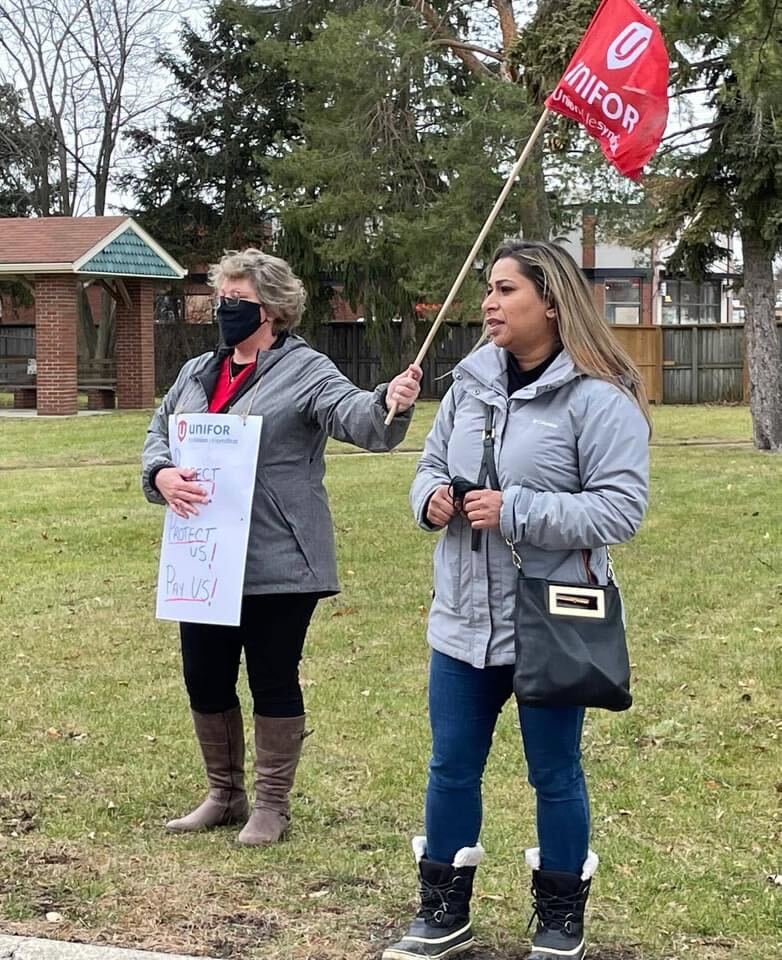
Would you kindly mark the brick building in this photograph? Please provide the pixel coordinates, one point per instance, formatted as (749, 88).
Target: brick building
(57, 258)
(633, 287)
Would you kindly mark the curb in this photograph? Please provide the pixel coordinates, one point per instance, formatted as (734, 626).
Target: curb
(30, 948)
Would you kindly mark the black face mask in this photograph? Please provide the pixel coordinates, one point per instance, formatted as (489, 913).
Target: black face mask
(238, 321)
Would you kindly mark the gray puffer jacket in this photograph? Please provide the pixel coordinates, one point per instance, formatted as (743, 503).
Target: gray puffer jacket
(571, 454)
(303, 399)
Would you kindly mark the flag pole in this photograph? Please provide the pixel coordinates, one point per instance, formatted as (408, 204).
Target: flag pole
(477, 246)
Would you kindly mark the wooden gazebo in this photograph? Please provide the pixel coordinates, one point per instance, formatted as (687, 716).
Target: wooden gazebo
(54, 254)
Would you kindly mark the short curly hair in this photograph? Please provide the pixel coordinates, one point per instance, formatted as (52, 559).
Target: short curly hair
(278, 288)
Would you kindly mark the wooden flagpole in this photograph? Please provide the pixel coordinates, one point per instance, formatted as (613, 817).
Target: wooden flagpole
(476, 247)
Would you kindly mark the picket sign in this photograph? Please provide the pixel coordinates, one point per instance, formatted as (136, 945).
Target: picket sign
(202, 559)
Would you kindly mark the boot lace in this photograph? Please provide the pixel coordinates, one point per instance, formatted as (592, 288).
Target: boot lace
(556, 911)
(436, 899)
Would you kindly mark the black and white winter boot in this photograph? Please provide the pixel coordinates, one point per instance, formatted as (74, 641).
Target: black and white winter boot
(559, 900)
(441, 927)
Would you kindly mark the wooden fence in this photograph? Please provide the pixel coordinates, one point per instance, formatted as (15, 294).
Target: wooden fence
(705, 364)
(691, 363)
(17, 341)
(644, 344)
(681, 364)
(363, 355)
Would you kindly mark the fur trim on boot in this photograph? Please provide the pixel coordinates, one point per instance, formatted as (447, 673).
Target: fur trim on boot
(442, 926)
(559, 901)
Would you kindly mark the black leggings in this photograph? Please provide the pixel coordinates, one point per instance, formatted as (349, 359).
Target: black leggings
(271, 632)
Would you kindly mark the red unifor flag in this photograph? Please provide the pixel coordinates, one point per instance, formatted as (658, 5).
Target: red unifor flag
(616, 85)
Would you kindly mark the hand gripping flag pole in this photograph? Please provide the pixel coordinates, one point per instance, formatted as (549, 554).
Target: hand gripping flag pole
(616, 87)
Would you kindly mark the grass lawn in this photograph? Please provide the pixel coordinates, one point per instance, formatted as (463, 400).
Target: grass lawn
(116, 439)
(96, 750)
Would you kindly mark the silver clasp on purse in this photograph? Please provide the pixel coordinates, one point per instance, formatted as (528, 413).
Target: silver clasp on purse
(570, 601)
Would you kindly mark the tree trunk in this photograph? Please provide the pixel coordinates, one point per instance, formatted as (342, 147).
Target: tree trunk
(87, 336)
(534, 210)
(105, 336)
(762, 343)
(41, 187)
(100, 198)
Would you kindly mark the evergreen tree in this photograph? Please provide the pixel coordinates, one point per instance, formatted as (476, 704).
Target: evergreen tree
(402, 150)
(203, 182)
(24, 172)
(386, 137)
(720, 175)
(25, 152)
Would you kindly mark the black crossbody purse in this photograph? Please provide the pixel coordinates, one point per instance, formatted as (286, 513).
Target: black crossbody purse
(571, 648)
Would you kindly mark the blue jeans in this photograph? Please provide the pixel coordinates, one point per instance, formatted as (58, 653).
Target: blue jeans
(464, 703)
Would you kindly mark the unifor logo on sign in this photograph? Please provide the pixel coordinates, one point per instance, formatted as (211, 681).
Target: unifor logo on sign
(181, 430)
(209, 430)
(631, 43)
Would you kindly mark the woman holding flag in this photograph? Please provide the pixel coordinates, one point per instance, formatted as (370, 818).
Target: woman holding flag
(568, 464)
(553, 414)
(264, 368)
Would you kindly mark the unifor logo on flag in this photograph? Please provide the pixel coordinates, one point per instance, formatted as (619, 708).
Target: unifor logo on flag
(616, 85)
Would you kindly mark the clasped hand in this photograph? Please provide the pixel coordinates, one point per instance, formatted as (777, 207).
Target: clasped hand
(481, 508)
(180, 490)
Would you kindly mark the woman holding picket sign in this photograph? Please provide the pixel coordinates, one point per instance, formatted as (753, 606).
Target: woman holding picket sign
(537, 460)
(264, 368)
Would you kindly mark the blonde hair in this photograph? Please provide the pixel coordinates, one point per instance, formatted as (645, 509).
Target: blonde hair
(585, 335)
(278, 288)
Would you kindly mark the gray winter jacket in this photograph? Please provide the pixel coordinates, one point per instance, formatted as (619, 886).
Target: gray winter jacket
(303, 399)
(572, 460)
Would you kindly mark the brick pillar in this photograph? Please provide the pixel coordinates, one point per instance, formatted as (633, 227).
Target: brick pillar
(100, 400)
(647, 303)
(588, 240)
(136, 347)
(56, 317)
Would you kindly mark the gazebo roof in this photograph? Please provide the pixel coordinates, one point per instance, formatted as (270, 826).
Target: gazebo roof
(91, 246)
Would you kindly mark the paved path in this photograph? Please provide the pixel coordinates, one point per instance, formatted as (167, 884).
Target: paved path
(12, 413)
(28, 948)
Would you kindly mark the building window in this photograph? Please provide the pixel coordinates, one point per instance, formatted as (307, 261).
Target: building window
(685, 301)
(623, 301)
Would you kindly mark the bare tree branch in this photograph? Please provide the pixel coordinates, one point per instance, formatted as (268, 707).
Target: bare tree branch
(688, 130)
(85, 69)
(443, 32)
(457, 44)
(671, 147)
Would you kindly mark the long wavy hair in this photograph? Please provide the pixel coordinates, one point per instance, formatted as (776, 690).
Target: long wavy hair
(585, 335)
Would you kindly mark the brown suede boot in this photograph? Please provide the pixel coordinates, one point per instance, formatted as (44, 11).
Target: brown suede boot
(221, 736)
(277, 751)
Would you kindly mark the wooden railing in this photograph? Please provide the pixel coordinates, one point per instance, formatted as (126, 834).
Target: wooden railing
(97, 373)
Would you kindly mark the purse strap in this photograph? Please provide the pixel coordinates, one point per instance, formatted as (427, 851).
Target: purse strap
(489, 470)
(488, 466)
